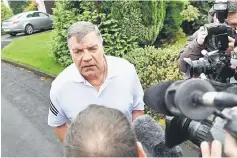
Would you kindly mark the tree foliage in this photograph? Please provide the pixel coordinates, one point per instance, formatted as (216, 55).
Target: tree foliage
(142, 19)
(203, 7)
(191, 13)
(6, 12)
(172, 22)
(17, 6)
(31, 6)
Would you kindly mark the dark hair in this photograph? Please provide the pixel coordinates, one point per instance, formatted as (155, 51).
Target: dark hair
(99, 131)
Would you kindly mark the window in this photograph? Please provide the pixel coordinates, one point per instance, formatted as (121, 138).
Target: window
(29, 15)
(36, 14)
(43, 15)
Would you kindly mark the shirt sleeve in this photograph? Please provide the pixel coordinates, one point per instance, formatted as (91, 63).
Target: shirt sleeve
(191, 50)
(138, 93)
(56, 115)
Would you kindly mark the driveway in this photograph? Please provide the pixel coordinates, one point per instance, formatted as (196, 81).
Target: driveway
(24, 113)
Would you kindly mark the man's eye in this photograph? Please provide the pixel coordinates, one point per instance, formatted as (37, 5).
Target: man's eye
(78, 51)
(93, 48)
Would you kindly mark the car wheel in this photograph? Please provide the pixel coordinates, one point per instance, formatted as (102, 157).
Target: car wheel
(29, 29)
(13, 34)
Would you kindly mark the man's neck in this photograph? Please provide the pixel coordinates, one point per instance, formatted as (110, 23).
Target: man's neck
(97, 80)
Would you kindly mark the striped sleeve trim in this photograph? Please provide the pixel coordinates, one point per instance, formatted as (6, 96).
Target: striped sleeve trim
(53, 109)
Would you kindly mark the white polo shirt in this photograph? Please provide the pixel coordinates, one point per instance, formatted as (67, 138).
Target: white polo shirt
(71, 93)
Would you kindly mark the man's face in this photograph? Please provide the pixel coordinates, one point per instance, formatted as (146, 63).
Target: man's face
(87, 54)
(232, 20)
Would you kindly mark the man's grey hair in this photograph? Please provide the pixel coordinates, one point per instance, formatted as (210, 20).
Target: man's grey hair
(81, 28)
(99, 131)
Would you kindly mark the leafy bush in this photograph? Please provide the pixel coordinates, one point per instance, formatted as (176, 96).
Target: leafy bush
(172, 22)
(142, 19)
(115, 43)
(155, 65)
(173, 19)
(31, 6)
(191, 13)
(190, 27)
(17, 6)
(6, 12)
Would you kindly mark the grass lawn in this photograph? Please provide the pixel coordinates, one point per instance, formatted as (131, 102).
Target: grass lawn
(33, 51)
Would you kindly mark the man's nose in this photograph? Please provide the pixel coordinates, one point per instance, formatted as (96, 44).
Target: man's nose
(87, 56)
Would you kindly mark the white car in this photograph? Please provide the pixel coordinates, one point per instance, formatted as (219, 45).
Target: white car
(27, 22)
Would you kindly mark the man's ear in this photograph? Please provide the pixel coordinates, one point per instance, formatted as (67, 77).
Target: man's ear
(141, 152)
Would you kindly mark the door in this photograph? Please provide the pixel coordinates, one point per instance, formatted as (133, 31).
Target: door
(36, 21)
(45, 20)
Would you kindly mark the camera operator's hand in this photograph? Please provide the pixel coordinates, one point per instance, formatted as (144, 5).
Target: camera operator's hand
(231, 45)
(230, 147)
(215, 150)
(202, 33)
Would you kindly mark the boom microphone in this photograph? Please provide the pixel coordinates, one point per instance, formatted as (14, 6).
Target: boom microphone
(152, 138)
(193, 98)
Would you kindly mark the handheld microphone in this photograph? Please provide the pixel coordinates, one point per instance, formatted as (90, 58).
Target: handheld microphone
(193, 98)
(152, 138)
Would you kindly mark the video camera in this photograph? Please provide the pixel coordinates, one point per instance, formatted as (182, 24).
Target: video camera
(196, 120)
(191, 104)
(216, 63)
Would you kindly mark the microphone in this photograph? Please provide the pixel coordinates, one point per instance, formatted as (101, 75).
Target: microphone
(152, 138)
(193, 98)
(154, 97)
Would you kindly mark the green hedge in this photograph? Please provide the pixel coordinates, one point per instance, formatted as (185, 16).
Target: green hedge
(6, 12)
(17, 6)
(155, 65)
(172, 22)
(142, 19)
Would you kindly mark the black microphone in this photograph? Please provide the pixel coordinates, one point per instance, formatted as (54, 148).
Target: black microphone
(187, 98)
(151, 135)
(154, 97)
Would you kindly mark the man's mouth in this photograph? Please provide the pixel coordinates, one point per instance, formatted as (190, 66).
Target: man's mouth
(88, 66)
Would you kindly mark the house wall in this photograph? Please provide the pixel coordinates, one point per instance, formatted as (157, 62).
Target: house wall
(41, 6)
(6, 3)
(49, 4)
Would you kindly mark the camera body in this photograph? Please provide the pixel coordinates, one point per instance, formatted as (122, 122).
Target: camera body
(217, 38)
(179, 129)
(216, 63)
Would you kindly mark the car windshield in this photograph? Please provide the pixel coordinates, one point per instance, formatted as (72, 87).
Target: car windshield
(17, 16)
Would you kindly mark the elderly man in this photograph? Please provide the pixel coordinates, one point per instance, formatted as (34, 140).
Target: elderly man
(93, 78)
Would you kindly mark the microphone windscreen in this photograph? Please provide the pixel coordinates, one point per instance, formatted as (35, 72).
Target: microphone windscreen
(152, 137)
(154, 97)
